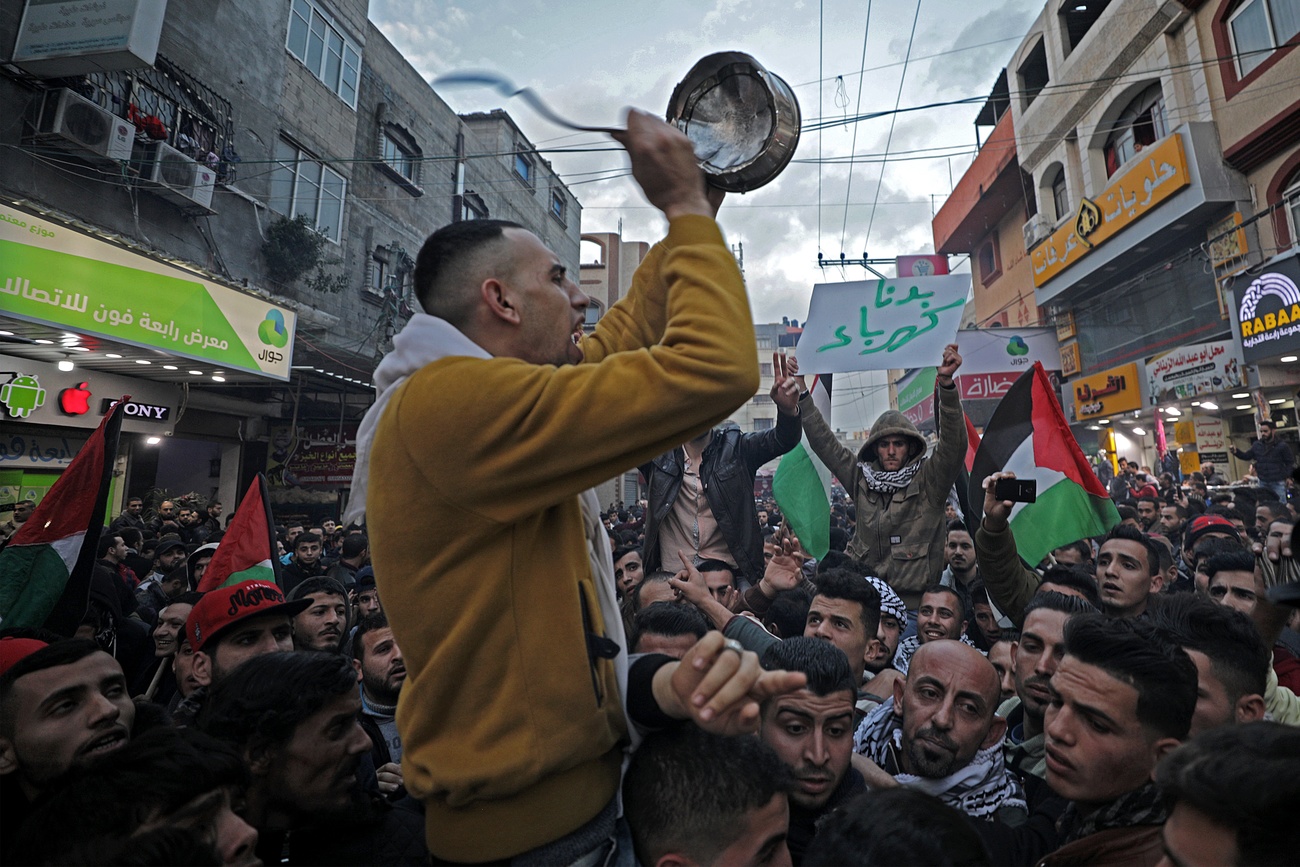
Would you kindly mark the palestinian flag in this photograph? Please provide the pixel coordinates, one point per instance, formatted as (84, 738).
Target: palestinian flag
(45, 570)
(247, 551)
(1028, 436)
(801, 485)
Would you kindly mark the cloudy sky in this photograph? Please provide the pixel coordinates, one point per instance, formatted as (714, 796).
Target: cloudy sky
(590, 59)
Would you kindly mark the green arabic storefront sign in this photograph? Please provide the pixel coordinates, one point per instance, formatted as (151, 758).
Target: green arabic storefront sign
(921, 387)
(56, 275)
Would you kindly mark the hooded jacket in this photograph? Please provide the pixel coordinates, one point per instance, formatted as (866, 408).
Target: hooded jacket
(728, 466)
(899, 536)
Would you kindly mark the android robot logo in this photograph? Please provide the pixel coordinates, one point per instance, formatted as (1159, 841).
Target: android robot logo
(21, 395)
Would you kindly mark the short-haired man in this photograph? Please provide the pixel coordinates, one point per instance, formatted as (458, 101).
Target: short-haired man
(379, 663)
(1034, 659)
(131, 516)
(845, 611)
(1128, 572)
(165, 521)
(1123, 697)
(156, 682)
(959, 555)
(1212, 476)
(231, 625)
(294, 719)
(984, 625)
(1000, 655)
(305, 563)
(812, 732)
(720, 578)
(62, 706)
(365, 595)
(941, 733)
(155, 594)
(1148, 509)
(494, 566)
(628, 568)
(1231, 580)
(21, 512)
(701, 493)
(943, 614)
(692, 798)
(354, 554)
(1230, 656)
(1234, 792)
(323, 624)
(1272, 457)
(666, 627)
(1173, 518)
(169, 554)
(112, 556)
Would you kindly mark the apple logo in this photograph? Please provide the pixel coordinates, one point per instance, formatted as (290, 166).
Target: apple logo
(75, 401)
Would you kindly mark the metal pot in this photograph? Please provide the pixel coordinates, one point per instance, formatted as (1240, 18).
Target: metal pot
(743, 119)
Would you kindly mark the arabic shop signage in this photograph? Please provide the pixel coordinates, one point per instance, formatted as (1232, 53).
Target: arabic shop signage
(881, 324)
(55, 275)
(915, 387)
(1211, 440)
(1268, 315)
(311, 455)
(71, 37)
(38, 450)
(1106, 393)
(1194, 371)
(34, 392)
(1147, 181)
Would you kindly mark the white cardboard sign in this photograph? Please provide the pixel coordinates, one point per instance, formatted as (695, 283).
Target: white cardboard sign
(881, 324)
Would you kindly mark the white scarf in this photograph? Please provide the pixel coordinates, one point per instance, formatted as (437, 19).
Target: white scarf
(424, 340)
(978, 789)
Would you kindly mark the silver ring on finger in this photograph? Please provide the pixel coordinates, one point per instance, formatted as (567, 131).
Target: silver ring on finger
(733, 644)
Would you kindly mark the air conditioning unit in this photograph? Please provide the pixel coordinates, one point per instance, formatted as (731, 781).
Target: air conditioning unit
(175, 177)
(1038, 228)
(71, 122)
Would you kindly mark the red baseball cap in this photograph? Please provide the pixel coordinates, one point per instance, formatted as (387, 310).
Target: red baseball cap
(222, 608)
(13, 649)
(1203, 525)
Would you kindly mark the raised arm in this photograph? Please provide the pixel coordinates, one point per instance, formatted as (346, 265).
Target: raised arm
(1010, 583)
(840, 461)
(941, 470)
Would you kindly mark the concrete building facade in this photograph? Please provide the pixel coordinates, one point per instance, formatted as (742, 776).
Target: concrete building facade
(292, 108)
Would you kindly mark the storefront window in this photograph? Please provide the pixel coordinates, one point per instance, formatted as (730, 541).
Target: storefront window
(1137, 318)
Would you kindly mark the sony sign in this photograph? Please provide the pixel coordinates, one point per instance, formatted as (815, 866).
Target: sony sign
(133, 409)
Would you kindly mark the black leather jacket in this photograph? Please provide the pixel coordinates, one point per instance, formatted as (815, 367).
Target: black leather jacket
(729, 464)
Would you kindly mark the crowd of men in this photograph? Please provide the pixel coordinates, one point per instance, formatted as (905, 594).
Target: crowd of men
(520, 677)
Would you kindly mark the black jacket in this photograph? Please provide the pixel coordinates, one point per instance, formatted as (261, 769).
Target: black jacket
(729, 464)
(1273, 461)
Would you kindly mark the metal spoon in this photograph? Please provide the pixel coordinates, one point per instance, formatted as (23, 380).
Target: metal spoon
(506, 88)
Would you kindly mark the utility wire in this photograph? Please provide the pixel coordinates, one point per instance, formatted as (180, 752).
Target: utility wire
(866, 243)
(853, 145)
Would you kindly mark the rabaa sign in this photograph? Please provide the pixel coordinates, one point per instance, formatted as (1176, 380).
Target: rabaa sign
(1268, 316)
(881, 324)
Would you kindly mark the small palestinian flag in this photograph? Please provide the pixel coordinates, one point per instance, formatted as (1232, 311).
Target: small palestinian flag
(1029, 436)
(801, 484)
(247, 551)
(45, 570)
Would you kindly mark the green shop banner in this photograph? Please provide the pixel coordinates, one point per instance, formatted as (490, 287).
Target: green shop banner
(56, 275)
(916, 389)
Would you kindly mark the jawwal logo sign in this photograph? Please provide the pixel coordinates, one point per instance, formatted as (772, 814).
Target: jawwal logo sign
(1269, 316)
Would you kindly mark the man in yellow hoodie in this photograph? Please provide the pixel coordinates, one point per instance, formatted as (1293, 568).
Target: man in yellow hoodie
(494, 418)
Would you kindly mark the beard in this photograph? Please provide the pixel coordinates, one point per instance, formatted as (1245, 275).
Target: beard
(927, 759)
